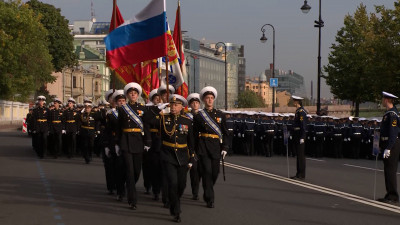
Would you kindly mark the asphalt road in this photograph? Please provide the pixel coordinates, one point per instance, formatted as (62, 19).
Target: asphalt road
(256, 191)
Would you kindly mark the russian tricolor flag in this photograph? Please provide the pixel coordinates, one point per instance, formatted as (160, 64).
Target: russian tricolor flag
(144, 37)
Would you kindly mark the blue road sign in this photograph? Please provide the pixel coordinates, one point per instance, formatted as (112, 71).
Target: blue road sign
(273, 82)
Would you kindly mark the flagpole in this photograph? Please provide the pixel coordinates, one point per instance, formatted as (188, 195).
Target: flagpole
(166, 76)
(180, 40)
(151, 76)
(115, 25)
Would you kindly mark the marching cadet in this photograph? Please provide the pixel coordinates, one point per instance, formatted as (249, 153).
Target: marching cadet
(133, 137)
(278, 142)
(195, 173)
(162, 92)
(29, 121)
(88, 120)
(56, 127)
(154, 163)
(250, 124)
(70, 122)
(114, 164)
(108, 140)
(40, 126)
(329, 144)
(209, 123)
(230, 126)
(177, 151)
(299, 134)
(390, 145)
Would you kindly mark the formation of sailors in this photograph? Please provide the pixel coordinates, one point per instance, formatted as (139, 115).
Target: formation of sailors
(164, 141)
(260, 133)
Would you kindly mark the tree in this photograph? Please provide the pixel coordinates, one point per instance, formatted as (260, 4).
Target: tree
(347, 72)
(60, 40)
(25, 62)
(249, 99)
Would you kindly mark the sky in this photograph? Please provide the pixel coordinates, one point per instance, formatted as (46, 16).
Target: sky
(240, 21)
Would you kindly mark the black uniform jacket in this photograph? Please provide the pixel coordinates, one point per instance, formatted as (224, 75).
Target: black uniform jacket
(210, 146)
(129, 136)
(177, 139)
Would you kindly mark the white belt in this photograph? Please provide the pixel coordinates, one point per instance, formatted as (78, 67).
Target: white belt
(357, 133)
(338, 134)
(270, 130)
(319, 132)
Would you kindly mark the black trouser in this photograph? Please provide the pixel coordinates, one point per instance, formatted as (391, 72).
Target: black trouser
(120, 175)
(110, 170)
(292, 147)
(176, 180)
(41, 143)
(390, 170)
(209, 174)
(164, 183)
(133, 165)
(195, 177)
(319, 146)
(230, 141)
(301, 158)
(146, 167)
(57, 143)
(70, 144)
(87, 146)
(155, 172)
(249, 137)
(269, 144)
(355, 146)
(337, 146)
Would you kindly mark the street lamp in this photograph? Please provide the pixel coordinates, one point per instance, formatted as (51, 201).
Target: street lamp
(226, 74)
(194, 70)
(320, 23)
(264, 39)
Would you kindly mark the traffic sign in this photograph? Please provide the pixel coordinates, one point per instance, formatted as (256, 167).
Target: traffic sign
(273, 82)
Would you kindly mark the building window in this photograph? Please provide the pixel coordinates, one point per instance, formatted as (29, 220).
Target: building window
(74, 82)
(96, 86)
(81, 30)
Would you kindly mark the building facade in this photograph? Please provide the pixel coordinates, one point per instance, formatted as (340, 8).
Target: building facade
(260, 86)
(289, 81)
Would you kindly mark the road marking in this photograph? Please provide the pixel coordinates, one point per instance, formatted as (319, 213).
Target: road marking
(322, 189)
(318, 160)
(49, 194)
(366, 168)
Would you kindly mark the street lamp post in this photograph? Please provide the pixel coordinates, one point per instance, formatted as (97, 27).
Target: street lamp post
(320, 23)
(264, 39)
(226, 72)
(194, 70)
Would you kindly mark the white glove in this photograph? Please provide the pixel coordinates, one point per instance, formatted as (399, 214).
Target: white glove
(242, 135)
(261, 138)
(146, 148)
(34, 131)
(348, 139)
(314, 138)
(107, 150)
(345, 140)
(291, 137)
(63, 132)
(117, 150)
(239, 135)
(223, 154)
(98, 132)
(386, 153)
(255, 135)
(190, 165)
(301, 141)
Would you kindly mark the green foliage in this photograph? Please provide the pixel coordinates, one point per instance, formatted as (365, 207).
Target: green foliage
(60, 40)
(249, 99)
(25, 62)
(364, 61)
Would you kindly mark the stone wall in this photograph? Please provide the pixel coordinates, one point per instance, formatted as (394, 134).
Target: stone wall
(12, 112)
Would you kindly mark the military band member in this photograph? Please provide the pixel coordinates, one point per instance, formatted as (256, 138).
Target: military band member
(177, 151)
(40, 126)
(390, 145)
(70, 123)
(56, 127)
(211, 143)
(194, 103)
(133, 137)
(299, 135)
